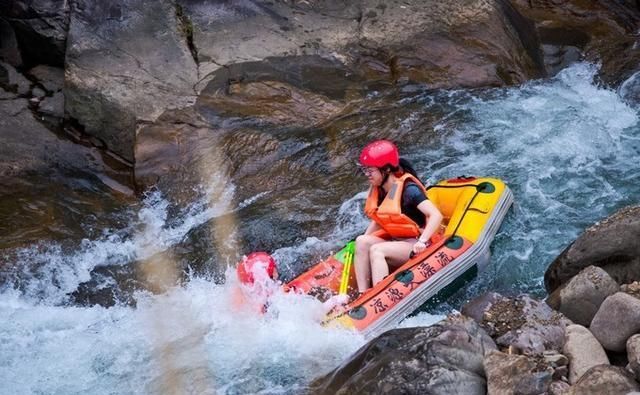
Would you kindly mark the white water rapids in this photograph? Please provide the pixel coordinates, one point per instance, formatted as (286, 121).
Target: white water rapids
(568, 149)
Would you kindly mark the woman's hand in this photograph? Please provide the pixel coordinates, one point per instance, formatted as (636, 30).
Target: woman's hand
(420, 246)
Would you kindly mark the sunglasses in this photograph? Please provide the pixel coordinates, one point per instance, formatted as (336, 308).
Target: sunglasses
(367, 171)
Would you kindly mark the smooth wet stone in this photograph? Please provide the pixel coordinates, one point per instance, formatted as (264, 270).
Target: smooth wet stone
(605, 379)
(274, 102)
(633, 355)
(446, 358)
(611, 244)
(623, 310)
(583, 350)
(515, 374)
(581, 297)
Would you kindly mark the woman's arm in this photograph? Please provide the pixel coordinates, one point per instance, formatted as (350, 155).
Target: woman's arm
(434, 219)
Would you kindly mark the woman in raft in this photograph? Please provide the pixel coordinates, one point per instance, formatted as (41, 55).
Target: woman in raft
(403, 220)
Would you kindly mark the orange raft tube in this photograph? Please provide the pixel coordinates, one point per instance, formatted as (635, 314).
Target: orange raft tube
(473, 209)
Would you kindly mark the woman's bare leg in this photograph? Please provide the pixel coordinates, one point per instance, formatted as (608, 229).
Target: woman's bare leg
(361, 260)
(389, 253)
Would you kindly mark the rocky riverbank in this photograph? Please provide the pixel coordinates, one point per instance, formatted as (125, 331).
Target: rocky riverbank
(584, 338)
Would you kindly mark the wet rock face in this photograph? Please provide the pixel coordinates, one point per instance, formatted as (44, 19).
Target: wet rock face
(130, 61)
(611, 244)
(462, 43)
(442, 359)
(603, 30)
(300, 91)
(39, 28)
(581, 297)
(187, 150)
(127, 62)
(605, 379)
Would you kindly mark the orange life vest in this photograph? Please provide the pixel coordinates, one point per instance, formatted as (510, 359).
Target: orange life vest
(389, 213)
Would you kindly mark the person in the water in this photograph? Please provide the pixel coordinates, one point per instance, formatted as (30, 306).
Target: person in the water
(258, 277)
(403, 220)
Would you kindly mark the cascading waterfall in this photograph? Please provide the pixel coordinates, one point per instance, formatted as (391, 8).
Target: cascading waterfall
(567, 148)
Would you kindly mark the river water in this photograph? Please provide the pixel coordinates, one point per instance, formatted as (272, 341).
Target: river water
(568, 149)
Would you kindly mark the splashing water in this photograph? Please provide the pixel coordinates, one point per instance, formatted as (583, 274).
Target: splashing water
(566, 147)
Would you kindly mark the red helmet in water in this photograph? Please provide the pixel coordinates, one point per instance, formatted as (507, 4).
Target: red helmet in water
(255, 265)
(379, 154)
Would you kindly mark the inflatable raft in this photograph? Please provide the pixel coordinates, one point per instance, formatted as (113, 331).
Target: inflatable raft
(473, 210)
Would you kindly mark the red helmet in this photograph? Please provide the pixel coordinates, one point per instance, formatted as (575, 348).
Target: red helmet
(255, 265)
(379, 154)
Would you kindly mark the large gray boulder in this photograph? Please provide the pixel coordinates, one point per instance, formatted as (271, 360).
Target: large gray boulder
(127, 62)
(604, 379)
(39, 28)
(515, 374)
(616, 321)
(583, 350)
(446, 358)
(611, 244)
(581, 297)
